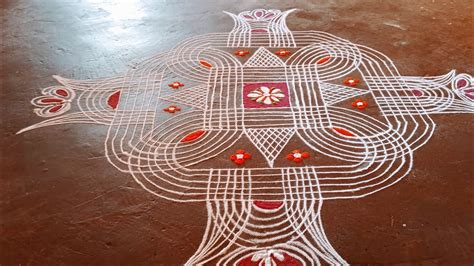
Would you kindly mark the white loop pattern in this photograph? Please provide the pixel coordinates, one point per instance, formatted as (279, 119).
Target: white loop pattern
(175, 118)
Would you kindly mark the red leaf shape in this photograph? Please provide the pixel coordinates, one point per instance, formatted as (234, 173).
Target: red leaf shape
(417, 92)
(193, 136)
(323, 60)
(461, 83)
(343, 131)
(62, 92)
(55, 108)
(267, 205)
(51, 100)
(205, 63)
(114, 100)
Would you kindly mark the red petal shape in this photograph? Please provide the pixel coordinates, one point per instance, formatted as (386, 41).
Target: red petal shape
(114, 99)
(259, 30)
(417, 92)
(193, 136)
(55, 108)
(267, 205)
(62, 92)
(323, 60)
(469, 94)
(51, 100)
(298, 160)
(239, 161)
(343, 131)
(461, 83)
(364, 104)
(269, 15)
(205, 63)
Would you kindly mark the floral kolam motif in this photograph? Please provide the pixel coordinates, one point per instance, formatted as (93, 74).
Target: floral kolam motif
(463, 85)
(54, 101)
(266, 95)
(258, 124)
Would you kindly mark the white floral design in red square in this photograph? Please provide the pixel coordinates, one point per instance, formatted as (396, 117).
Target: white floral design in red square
(266, 95)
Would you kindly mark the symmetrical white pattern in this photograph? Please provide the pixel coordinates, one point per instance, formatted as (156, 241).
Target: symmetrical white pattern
(264, 58)
(270, 25)
(266, 95)
(54, 101)
(194, 96)
(269, 214)
(270, 141)
(333, 93)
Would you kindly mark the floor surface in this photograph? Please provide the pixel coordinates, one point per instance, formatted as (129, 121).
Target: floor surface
(63, 204)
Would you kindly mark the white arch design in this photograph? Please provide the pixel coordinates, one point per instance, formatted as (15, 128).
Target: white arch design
(364, 153)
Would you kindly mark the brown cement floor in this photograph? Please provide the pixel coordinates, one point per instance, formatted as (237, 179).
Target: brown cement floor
(63, 204)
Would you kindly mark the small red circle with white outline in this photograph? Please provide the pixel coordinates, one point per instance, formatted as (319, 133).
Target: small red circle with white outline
(176, 85)
(350, 81)
(297, 156)
(240, 157)
(283, 52)
(241, 52)
(360, 104)
(172, 109)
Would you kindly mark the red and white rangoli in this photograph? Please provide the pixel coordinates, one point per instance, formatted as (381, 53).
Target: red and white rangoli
(263, 124)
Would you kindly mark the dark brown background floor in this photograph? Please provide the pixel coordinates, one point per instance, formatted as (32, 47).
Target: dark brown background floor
(63, 204)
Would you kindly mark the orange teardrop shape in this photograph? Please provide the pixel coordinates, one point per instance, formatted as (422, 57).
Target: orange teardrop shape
(323, 60)
(343, 131)
(114, 100)
(205, 63)
(193, 136)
